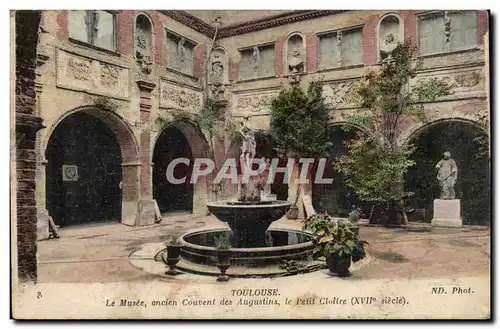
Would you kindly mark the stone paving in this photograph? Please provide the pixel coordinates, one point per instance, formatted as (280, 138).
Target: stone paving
(100, 253)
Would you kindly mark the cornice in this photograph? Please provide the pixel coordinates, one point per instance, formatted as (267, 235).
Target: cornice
(247, 27)
(273, 21)
(193, 22)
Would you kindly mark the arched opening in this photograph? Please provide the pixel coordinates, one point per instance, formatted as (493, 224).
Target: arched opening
(170, 145)
(459, 137)
(83, 172)
(336, 198)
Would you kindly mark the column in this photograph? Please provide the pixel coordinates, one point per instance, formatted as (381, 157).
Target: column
(148, 209)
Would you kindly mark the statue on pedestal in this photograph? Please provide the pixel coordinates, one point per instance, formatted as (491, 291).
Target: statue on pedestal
(295, 66)
(447, 176)
(249, 191)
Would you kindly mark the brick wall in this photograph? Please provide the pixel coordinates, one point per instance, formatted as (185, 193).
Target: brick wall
(410, 25)
(483, 24)
(27, 125)
(199, 60)
(125, 32)
(312, 52)
(233, 70)
(62, 25)
(370, 40)
(278, 53)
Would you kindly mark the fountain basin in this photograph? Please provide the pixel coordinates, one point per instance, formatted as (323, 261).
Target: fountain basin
(248, 221)
(280, 244)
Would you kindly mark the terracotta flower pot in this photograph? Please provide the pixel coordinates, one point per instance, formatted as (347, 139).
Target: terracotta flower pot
(338, 265)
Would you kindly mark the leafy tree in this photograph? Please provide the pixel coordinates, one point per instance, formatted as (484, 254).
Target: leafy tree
(375, 163)
(299, 122)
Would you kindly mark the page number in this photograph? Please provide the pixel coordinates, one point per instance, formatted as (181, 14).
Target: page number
(39, 295)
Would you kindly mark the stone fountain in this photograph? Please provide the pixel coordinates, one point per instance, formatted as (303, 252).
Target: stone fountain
(249, 216)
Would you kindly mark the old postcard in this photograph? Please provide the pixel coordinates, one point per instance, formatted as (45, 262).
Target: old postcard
(236, 164)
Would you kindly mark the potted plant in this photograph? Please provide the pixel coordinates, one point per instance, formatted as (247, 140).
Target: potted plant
(173, 254)
(336, 241)
(223, 248)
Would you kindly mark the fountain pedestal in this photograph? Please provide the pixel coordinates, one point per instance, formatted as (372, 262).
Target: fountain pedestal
(249, 221)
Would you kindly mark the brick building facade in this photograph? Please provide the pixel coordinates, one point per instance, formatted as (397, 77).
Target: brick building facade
(118, 71)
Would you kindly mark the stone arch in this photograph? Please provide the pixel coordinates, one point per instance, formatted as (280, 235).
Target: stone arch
(199, 148)
(294, 40)
(336, 198)
(418, 129)
(389, 23)
(129, 152)
(407, 133)
(116, 123)
(473, 185)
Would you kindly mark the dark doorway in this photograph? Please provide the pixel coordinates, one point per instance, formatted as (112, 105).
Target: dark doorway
(264, 148)
(88, 190)
(336, 198)
(473, 184)
(172, 144)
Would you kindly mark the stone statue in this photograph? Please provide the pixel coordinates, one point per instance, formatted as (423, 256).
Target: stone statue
(447, 176)
(142, 52)
(296, 62)
(181, 51)
(256, 60)
(249, 145)
(217, 70)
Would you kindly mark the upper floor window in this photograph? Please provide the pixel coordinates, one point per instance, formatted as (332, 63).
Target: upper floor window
(95, 27)
(180, 53)
(447, 31)
(340, 48)
(257, 62)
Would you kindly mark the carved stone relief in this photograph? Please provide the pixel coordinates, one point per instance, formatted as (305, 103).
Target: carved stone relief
(109, 76)
(143, 44)
(91, 75)
(468, 79)
(79, 69)
(464, 81)
(177, 97)
(255, 102)
(340, 94)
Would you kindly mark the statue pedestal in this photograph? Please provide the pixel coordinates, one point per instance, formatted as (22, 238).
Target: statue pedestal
(447, 213)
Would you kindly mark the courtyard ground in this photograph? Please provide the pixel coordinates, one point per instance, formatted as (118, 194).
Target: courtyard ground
(100, 253)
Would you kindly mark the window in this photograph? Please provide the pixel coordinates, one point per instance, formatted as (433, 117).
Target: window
(95, 27)
(340, 48)
(257, 62)
(447, 31)
(180, 53)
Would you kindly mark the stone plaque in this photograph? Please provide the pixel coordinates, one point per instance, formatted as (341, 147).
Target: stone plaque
(91, 75)
(69, 173)
(447, 213)
(177, 97)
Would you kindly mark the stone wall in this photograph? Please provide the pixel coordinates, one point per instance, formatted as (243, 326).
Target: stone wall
(27, 125)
